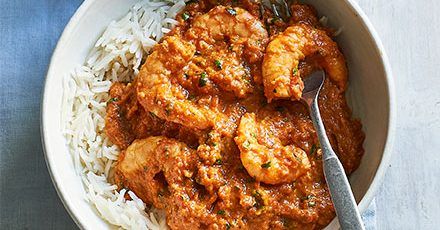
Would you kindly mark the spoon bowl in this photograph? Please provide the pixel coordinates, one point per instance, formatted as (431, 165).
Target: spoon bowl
(337, 182)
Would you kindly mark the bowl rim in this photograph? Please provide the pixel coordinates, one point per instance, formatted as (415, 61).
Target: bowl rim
(354, 7)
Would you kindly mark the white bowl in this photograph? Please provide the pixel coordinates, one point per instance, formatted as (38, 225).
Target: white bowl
(370, 95)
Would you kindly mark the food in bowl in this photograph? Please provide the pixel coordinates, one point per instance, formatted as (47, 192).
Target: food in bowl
(211, 130)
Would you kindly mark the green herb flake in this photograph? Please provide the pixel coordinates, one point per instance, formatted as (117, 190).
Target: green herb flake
(218, 64)
(259, 202)
(311, 203)
(168, 109)
(185, 16)
(313, 149)
(295, 71)
(160, 194)
(203, 79)
(273, 20)
(191, 97)
(153, 115)
(221, 212)
(218, 162)
(254, 135)
(256, 194)
(246, 144)
(288, 223)
(145, 168)
(231, 11)
(113, 99)
(266, 165)
(249, 180)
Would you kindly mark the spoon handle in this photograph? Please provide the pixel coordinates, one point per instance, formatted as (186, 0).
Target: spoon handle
(340, 190)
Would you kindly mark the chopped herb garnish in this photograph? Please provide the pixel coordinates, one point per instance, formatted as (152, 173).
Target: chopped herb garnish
(230, 48)
(221, 212)
(191, 97)
(313, 149)
(184, 198)
(218, 162)
(273, 20)
(255, 193)
(288, 223)
(259, 202)
(186, 76)
(113, 99)
(145, 168)
(203, 79)
(254, 135)
(231, 11)
(246, 144)
(265, 165)
(249, 180)
(168, 109)
(218, 64)
(311, 203)
(185, 16)
(295, 71)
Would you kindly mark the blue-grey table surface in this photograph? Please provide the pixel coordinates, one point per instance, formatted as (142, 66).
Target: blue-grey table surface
(408, 199)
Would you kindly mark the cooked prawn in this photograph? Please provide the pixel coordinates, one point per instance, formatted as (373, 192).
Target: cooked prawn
(270, 164)
(281, 77)
(148, 168)
(236, 39)
(175, 61)
(157, 93)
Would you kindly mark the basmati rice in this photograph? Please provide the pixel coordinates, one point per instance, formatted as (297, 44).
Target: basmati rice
(116, 56)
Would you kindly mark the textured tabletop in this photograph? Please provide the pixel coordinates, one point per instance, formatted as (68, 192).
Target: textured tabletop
(408, 199)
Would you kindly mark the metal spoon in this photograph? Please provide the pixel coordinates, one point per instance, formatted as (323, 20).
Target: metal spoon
(340, 190)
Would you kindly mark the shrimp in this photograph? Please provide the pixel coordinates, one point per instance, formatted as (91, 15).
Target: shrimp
(236, 39)
(274, 164)
(156, 168)
(158, 95)
(281, 77)
(174, 68)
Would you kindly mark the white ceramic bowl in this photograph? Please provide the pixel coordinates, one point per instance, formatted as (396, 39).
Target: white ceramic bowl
(370, 95)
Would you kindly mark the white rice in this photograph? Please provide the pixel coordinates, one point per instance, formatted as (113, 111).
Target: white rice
(116, 56)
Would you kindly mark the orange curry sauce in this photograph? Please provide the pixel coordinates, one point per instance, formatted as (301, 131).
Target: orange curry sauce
(177, 123)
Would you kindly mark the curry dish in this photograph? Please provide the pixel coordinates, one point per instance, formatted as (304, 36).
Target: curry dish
(213, 131)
